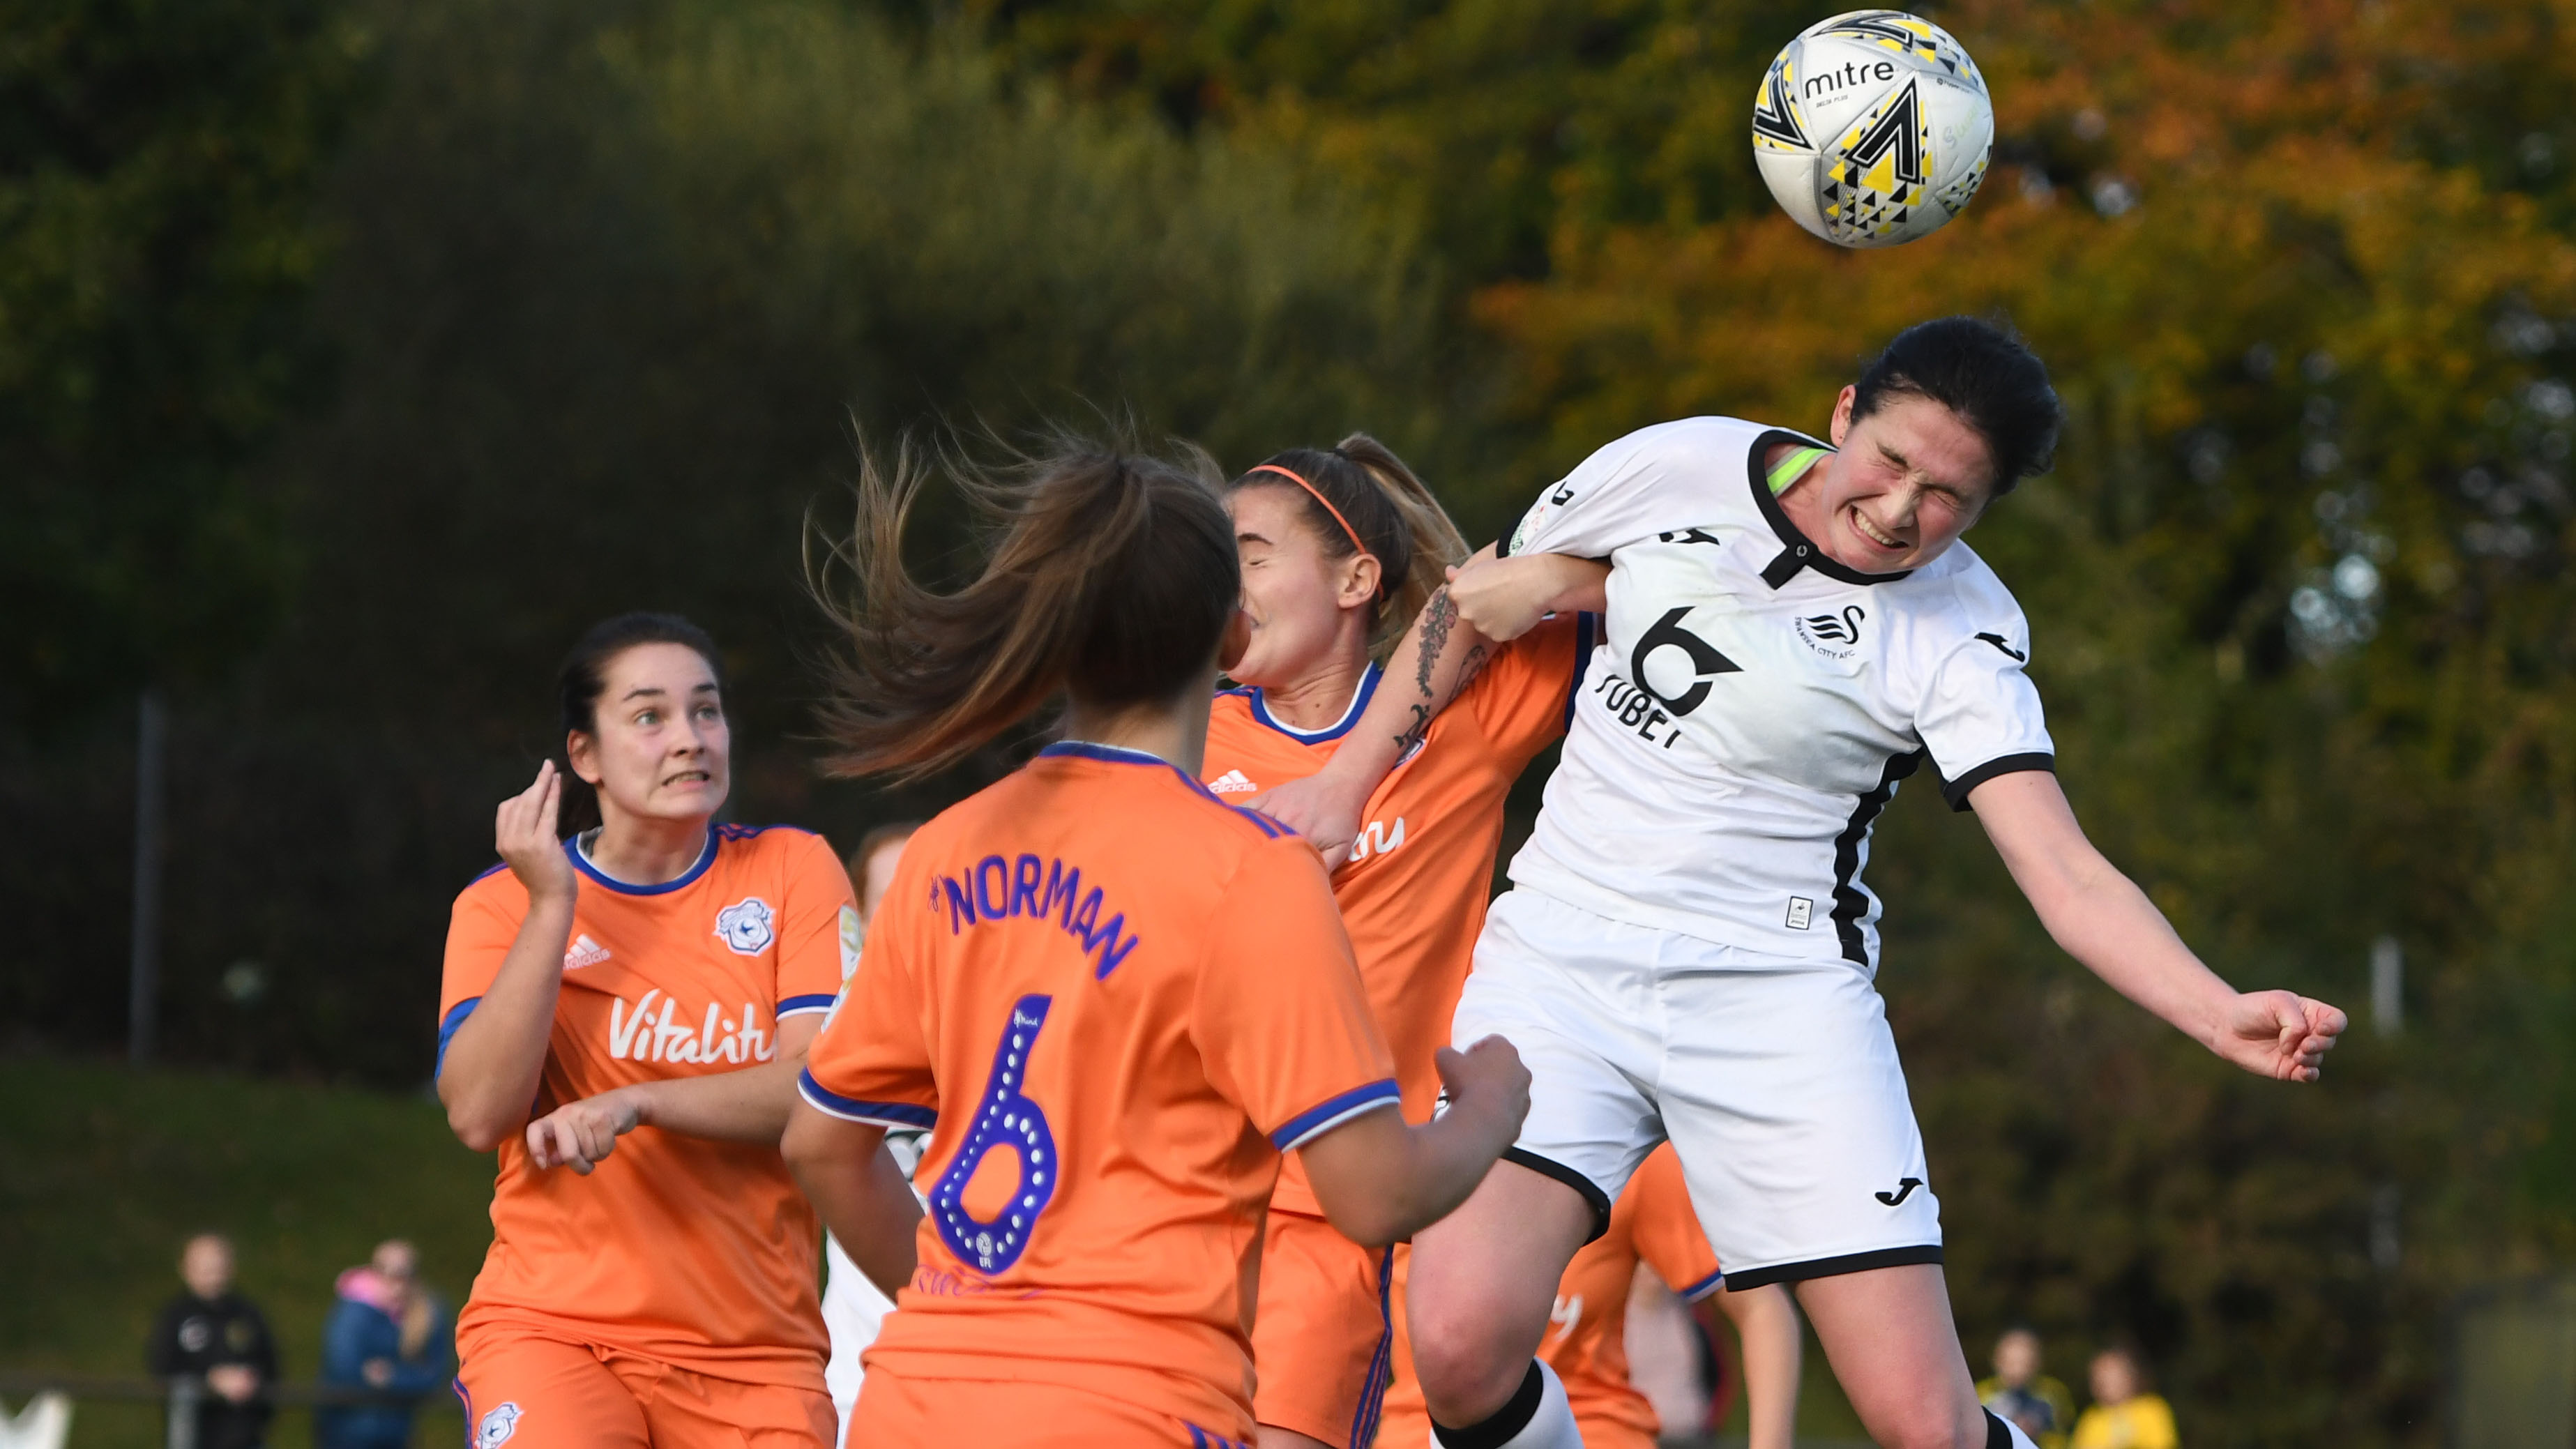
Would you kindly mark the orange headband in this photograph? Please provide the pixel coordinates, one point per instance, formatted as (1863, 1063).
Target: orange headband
(1317, 494)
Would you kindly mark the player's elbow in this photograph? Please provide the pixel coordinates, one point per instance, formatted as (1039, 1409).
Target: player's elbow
(1372, 1222)
(479, 1131)
(477, 1123)
(802, 1143)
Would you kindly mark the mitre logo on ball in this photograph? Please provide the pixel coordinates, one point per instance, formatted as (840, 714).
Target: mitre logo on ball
(1873, 128)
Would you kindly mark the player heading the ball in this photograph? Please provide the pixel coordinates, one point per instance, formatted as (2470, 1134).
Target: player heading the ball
(1112, 998)
(1688, 952)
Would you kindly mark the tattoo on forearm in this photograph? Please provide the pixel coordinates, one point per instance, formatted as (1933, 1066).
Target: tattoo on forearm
(1413, 733)
(1438, 618)
(1477, 659)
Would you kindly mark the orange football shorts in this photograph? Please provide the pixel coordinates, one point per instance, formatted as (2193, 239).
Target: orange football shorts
(1321, 1334)
(523, 1391)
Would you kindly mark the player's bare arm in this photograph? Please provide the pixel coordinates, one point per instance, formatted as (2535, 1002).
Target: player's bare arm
(2102, 919)
(857, 1190)
(1501, 599)
(749, 1105)
(1436, 661)
(490, 1073)
(1766, 1322)
(1381, 1180)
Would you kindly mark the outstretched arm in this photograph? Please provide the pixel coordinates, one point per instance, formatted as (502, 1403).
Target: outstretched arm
(1766, 1323)
(1487, 603)
(2102, 919)
(1381, 1180)
(858, 1191)
(747, 1105)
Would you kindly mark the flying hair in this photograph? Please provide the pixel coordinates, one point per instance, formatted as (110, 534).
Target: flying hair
(1359, 497)
(1106, 573)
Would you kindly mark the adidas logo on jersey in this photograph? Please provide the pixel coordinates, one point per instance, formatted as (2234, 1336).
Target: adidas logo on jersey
(1232, 782)
(583, 952)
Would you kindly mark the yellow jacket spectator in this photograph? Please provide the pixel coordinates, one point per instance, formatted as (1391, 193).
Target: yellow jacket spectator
(2123, 1416)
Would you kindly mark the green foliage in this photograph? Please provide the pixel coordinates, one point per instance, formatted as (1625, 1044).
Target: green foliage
(1531, 113)
(2298, 585)
(103, 1173)
(157, 239)
(613, 284)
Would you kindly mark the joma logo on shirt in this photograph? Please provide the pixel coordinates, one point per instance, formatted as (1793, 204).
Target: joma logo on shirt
(645, 1036)
(998, 889)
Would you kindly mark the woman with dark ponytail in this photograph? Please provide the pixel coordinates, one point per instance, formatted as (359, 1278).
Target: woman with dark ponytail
(644, 991)
(1340, 550)
(1112, 1000)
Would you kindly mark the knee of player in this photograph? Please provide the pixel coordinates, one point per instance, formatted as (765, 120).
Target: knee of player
(1465, 1367)
(1931, 1424)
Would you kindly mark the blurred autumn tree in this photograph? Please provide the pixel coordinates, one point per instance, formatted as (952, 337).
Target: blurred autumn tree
(2298, 584)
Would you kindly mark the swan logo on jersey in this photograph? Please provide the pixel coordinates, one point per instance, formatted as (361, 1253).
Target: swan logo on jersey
(1835, 636)
(1375, 839)
(744, 925)
(1232, 782)
(497, 1427)
(583, 952)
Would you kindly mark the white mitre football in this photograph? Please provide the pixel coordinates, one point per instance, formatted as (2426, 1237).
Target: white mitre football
(1872, 128)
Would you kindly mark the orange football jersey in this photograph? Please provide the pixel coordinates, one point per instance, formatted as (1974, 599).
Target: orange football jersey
(1413, 895)
(1587, 1338)
(1115, 1002)
(698, 1253)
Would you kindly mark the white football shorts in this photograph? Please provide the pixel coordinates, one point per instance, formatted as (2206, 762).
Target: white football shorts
(1776, 1080)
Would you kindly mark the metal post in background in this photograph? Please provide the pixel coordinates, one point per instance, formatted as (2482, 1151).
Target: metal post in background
(187, 1391)
(2387, 986)
(144, 1002)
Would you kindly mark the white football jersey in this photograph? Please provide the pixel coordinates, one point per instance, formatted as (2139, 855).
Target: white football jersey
(1753, 703)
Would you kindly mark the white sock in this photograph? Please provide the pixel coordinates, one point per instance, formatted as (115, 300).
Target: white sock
(1549, 1423)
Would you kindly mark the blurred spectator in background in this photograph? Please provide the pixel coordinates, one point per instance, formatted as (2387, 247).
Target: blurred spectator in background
(852, 1306)
(211, 1334)
(389, 1334)
(2124, 1415)
(2037, 1403)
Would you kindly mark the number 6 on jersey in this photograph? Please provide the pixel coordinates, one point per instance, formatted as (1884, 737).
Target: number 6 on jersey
(1004, 1119)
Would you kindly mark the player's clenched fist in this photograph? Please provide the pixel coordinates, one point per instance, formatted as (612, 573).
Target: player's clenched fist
(2281, 1035)
(1487, 1078)
(1504, 598)
(582, 1134)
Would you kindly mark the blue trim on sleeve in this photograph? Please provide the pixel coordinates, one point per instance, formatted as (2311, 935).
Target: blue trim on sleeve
(447, 1026)
(1120, 755)
(1703, 1287)
(489, 871)
(797, 1005)
(1325, 1116)
(851, 1109)
(1585, 626)
(581, 862)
